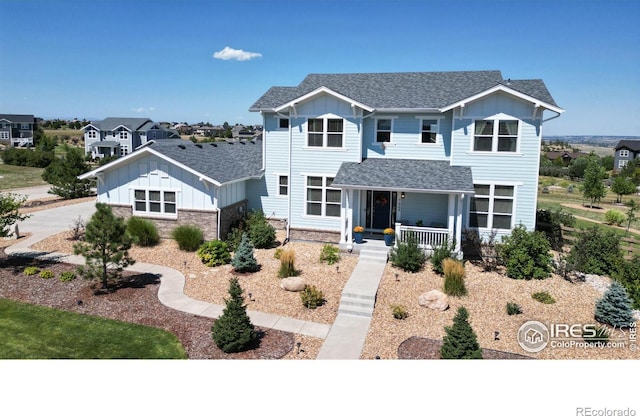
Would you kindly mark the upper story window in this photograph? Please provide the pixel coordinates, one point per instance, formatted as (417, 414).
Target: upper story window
(123, 135)
(25, 126)
(383, 130)
(283, 123)
(495, 136)
(325, 132)
(92, 134)
(624, 153)
(429, 131)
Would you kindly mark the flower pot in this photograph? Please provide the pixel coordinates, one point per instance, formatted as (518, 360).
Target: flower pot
(388, 239)
(358, 237)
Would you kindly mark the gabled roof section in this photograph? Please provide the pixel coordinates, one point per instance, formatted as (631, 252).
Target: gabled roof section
(321, 91)
(405, 90)
(633, 145)
(436, 176)
(112, 123)
(217, 163)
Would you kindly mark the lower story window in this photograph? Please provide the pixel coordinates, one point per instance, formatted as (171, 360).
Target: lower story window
(492, 207)
(155, 202)
(622, 163)
(124, 150)
(4, 135)
(322, 199)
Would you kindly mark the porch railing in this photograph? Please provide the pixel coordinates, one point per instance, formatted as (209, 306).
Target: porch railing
(427, 237)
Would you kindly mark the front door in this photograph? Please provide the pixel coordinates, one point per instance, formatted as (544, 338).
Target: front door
(380, 209)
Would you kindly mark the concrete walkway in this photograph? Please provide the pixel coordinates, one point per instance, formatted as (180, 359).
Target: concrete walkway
(344, 339)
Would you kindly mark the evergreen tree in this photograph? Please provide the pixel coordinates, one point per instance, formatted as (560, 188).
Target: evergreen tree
(614, 308)
(106, 246)
(460, 342)
(10, 205)
(243, 259)
(63, 175)
(233, 330)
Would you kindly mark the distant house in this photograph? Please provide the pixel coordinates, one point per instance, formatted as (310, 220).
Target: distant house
(565, 155)
(119, 136)
(625, 151)
(17, 129)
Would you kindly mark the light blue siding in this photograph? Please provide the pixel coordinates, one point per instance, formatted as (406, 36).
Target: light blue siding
(231, 193)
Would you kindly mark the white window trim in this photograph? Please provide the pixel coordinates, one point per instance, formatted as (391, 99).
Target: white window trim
(278, 176)
(325, 133)
(4, 135)
(323, 201)
(622, 163)
(624, 153)
(491, 197)
(494, 139)
(278, 123)
(438, 120)
(147, 213)
(375, 131)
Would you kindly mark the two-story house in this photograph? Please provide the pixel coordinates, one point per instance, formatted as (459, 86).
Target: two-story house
(119, 136)
(17, 129)
(444, 150)
(625, 151)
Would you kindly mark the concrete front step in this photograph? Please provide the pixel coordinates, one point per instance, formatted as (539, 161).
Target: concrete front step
(356, 311)
(354, 304)
(377, 256)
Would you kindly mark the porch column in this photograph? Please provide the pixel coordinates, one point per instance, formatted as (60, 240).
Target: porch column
(346, 216)
(460, 204)
(451, 221)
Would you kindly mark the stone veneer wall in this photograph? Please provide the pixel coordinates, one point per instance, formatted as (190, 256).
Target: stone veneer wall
(229, 215)
(314, 235)
(207, 221)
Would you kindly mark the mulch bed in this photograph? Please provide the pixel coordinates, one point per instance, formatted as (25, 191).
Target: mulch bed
(135, 300)
(416, 348)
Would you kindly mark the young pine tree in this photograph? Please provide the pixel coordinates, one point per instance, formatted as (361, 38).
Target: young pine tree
(233, 330)
(460, 342)
(244, 260)
(105, 247)
(614, 308)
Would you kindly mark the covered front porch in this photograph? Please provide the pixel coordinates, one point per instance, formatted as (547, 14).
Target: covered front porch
(424, 198)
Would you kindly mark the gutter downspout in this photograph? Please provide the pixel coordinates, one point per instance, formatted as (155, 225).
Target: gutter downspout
(288, 233)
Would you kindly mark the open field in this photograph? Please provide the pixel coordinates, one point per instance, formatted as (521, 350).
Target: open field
(12, 177)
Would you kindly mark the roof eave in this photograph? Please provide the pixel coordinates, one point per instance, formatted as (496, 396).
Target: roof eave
(322, 90)
(537, 102)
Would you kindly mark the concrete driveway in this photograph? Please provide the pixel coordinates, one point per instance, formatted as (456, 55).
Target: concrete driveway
(55, 220)
(32, 192)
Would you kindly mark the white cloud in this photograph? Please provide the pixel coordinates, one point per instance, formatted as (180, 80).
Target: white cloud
(235, 54)
(143, 109)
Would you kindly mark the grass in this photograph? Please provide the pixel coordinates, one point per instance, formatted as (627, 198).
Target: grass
(36, 332)
(20, 177)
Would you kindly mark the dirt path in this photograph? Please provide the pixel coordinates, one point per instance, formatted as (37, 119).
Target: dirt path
(577, 206)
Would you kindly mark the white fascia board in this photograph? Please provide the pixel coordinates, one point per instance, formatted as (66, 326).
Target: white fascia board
(322, 90)
(90, 125)
(121, 125)
(507, 90)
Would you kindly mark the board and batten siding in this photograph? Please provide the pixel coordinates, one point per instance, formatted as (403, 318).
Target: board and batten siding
(153, 172)
(519, 169)
(406, 137)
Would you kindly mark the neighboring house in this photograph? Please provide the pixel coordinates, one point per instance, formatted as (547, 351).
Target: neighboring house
(119, 136)
(17, 129)
(565, 155)
(175, 182)
(448, 150)
(625, 151)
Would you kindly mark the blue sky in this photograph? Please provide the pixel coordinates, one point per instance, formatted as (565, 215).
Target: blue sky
(164, 59)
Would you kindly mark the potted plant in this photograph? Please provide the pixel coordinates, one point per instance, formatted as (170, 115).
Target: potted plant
(357, 233)
(389, 235)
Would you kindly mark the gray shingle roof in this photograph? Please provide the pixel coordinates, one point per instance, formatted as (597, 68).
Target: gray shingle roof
(402, 90)
(18, 118)
(110, 123)
(633, 145)
(221, 161)
(400, 174)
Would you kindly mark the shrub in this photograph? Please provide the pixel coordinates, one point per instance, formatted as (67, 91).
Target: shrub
(277, 253)
(407, 255)
(485, 250)
(454, 277)
(47, 274)
(440, 253)
(233, 330)
(234, 237)
(188, 237)
(330, 254)
(628, 275)
(550, 223)
(214, 253)
(460, 342)
(526, 254)
(614, 308)
(143, 231)
(513, 308)
(287, 264)
(261, 233)
(67, 276)
(31, 270)
(601, 335)
(312, 297)
(614, 217)
(244, 261)
(399, 312)
(543, 297)
(596, 251)
(77, 228)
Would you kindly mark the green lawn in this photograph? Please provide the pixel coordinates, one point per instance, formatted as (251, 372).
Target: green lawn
(36, 332)
(19, 176)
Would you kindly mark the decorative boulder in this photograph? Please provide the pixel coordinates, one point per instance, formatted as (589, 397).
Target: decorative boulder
(434, 300)
(293, 284)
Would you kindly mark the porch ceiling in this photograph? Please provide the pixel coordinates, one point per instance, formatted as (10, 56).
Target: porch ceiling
(105, 143)
(405, 174)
